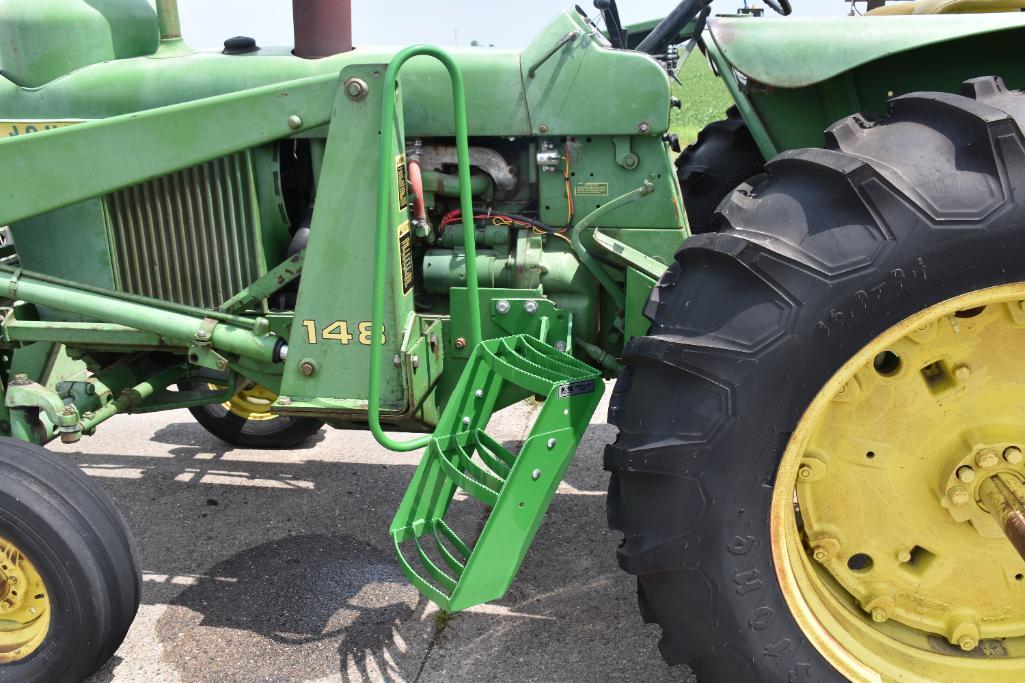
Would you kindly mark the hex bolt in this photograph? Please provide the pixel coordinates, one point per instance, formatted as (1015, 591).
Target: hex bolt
(879, 615)
(959, 496)
(962, 372)
(967, 643)
(460, 343)
(543, 128)
(987, 459)
(202, 334)
(530, 307)
(643, 127)
(820, 555)
(535, 475)
(805, 472)
(502, 307)
(356, 88)
(1013, 455)
(479, 393)
(966, 474)
(20, 379)
(551, 444)
(295, 122)
(307, 368)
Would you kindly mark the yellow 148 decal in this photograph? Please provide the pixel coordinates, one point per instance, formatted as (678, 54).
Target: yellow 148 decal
(339, 331)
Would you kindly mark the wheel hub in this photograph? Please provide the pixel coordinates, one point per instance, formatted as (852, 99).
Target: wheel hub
(24, 605)
(905, 471)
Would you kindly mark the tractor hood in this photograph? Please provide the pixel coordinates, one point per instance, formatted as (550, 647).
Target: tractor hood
(794, 53)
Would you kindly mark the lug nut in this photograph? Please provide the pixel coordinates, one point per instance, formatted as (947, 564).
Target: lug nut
(987, 459)
(879, 615)
(820, 555)
(804, 473)
(959, 496)
(962, 372)
(1013, 455)
(967, 643)
(966, 474)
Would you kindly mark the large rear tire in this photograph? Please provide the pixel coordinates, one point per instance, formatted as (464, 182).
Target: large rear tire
(69, 577)
(825, 259)
(724, 156)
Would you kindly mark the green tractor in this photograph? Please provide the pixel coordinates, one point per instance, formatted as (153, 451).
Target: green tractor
(819, 472)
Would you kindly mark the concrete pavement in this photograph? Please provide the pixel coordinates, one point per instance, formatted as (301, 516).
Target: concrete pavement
(277, 566)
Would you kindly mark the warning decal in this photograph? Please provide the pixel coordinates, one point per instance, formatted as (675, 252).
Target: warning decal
(406, 257)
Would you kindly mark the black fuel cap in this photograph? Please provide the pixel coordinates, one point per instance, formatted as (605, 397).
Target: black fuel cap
(240, 45)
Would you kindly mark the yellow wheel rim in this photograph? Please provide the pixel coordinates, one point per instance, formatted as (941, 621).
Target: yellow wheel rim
(881, 537)
(252, 403)
(24, 605)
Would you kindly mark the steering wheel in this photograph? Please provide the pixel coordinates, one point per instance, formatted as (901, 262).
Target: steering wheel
(779, 6)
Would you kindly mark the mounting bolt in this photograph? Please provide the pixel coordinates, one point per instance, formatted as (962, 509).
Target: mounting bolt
(307, 368)
(959, 496)
(479, 393)
(551, 444)
(202, 335)
(1013, 455)
(535, 475)
(295, 122)
(962, 372)
(560, 346)
(643, 127)
(460, 343)
(543, 128)
(502, 307)
(466, 420)
(356, 88)
(415, 360)
(530, 307)
(965, 474)
(284, 400)
(987, 458)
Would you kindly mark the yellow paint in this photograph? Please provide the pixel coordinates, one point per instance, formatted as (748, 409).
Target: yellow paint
(873, 462)
(252, 403)
(10, 129)
(24, 605)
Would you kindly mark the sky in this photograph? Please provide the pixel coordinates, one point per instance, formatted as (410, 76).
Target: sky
(506, 23)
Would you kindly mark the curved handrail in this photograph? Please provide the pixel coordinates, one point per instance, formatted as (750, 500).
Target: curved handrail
(384, 198)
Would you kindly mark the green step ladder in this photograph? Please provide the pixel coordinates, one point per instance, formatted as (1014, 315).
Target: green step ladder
(517, 488)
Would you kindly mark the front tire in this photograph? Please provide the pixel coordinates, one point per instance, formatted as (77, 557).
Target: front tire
(822, 255)
(64, 541)
(246, 421)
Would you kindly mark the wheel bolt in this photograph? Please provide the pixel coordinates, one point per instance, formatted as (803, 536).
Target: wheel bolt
(879, 615)
(967, 643)
(959, 496)
(1013, 455)
(962, 372)
(804, 473)
(987, 459)
(904, 556)
(820, 555)
(966, 474)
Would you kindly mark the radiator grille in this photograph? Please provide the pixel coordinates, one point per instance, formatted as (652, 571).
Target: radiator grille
(190, 237)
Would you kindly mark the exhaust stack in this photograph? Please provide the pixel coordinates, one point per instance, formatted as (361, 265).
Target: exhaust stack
(322, 27)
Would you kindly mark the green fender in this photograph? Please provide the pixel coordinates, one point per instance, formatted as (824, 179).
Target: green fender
(795, 53)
